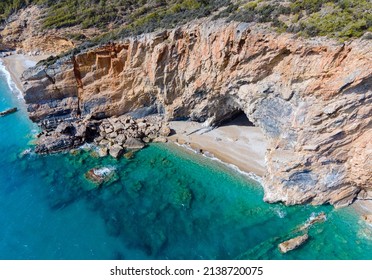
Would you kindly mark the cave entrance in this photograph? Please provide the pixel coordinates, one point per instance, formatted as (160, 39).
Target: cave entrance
(234, 140)
(238, 118)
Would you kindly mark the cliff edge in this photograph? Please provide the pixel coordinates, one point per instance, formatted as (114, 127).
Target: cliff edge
(311, 97)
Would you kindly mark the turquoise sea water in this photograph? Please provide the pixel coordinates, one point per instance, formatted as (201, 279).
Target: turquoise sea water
(165, 204)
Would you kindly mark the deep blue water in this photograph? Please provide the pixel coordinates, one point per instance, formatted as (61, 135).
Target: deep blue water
(166, 203)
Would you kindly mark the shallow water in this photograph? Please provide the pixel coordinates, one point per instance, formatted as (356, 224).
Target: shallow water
(165, 203)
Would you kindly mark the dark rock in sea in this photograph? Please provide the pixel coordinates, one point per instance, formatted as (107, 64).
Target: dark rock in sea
(101, 175)
(180, 196)
(293, 243)
(8, 112)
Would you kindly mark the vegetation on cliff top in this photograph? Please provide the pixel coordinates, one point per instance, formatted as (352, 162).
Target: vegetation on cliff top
(342, 19)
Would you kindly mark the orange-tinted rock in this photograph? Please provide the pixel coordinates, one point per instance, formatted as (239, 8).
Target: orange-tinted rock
(311, 98)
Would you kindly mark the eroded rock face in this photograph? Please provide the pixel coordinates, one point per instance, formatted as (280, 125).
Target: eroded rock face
(311, 98)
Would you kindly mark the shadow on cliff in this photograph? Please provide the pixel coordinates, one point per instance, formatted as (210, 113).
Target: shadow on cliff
(239, 119)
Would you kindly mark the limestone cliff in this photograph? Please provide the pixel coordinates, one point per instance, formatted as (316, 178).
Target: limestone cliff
(311, 98)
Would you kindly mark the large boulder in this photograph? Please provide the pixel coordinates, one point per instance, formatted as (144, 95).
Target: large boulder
(116, 151)
(165, 131)
(293, 243)
(102, 151)
(134, 144)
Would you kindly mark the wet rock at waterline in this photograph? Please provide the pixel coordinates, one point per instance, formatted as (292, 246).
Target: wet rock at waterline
(8, 112)
(113, 136)
(101, 175)
(321, 217)
(293, 243)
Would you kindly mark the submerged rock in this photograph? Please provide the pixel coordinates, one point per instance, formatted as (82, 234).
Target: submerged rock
(293, 243)
(101, 175)
(129, 155)
(321, 217)
(180, 196)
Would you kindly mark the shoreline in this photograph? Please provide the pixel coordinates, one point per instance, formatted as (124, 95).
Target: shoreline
(362, 207)
(188, 149)
(239, 147)
(235, 144)
(16, 64)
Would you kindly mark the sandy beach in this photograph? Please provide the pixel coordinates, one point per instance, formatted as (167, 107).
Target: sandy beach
(235, 143)
(363, 207)
(238, 144)
(16, 64)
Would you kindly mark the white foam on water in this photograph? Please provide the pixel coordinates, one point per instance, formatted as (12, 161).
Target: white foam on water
(280, 213)
(104, 171)
(11, 84)
(26, 152)
(87, 147)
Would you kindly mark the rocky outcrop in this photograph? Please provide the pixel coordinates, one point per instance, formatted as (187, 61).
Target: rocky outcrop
(8, 112)
(112, 136)
(311, 98)
(321, 217)
(293, 243)
(102, 175)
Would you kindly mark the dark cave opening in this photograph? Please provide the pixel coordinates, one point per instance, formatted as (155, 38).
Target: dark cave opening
(238, 118)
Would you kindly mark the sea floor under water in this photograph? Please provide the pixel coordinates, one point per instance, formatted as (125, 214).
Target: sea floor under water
(165, 203)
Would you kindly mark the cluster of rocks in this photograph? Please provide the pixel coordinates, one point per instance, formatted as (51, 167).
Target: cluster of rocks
(119, 134)
(113, 136)
(65, 136)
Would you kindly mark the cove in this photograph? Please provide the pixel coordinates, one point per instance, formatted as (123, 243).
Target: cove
(166, 203)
